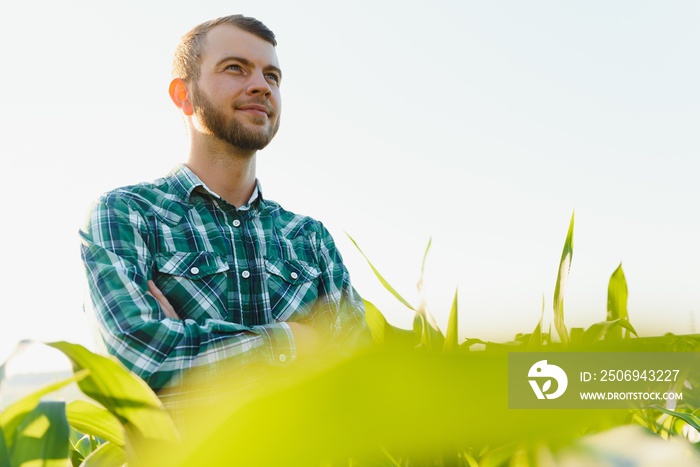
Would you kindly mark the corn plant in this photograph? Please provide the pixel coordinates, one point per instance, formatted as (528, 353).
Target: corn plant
(127, 422)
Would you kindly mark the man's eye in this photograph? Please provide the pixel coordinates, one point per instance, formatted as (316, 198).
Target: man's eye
(234, 67)
(272, 77)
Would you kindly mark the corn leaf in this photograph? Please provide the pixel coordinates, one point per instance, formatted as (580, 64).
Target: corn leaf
(412, 403)
(535, 340)
(562, 276)
(452, 339)
(383, 281)
(107, 455)
(617, 298)
(123, 394)
(93, 420)
(375, 321)
(576, 335)
(431, 336)
(602, 329)
(81, 446)
(4, 452)
(12, 416)
(688, 418)
(42, 436)
(384, 333)
(425, 257)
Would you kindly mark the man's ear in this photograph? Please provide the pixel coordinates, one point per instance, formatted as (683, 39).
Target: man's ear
(180, 96)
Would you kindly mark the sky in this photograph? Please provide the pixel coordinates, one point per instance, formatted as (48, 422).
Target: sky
(481, 125)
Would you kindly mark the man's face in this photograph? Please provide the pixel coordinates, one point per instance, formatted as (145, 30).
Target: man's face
(237, 96)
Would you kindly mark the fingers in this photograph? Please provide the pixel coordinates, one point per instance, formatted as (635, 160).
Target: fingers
(164, 303)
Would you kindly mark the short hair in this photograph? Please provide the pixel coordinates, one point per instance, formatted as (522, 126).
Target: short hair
(186, 62)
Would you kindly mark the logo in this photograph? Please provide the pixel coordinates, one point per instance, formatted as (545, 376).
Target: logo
(542, 370)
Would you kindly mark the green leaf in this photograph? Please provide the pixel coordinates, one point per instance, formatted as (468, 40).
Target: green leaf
(576, 335)
(384, 333)
(689, 418)
(375, 321)
(107, 455)
(383, 281)
(562, 276)
(4, 452)
(602, 329)
(425, 257)
(123, 394)
(617, 299)
(80, 447)
(431, 337)
(452, 339)
(13, 415)
(91, 419)
(42, 436)
(535, 340)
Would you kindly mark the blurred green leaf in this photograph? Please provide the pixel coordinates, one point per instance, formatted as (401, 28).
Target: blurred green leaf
(80, 447)
(384, 333)
(383, 281)
(425, 257)
(689, 418)
(576, 335)
(535, 340)
(4, 452)
(375, 321)
(415, 404)
(452, 339)
(91, 419)
(123, 394)
(562, 277)
(42, 436)
(617, 299)
(602, 329)
(12, 416)
(432, 337)
(107, 455)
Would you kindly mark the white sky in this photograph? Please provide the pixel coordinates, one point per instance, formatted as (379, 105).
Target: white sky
(481, 124)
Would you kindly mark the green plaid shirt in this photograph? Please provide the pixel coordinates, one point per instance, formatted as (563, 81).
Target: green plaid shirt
(234, 276)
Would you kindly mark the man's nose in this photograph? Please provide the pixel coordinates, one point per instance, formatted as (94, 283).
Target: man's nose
(259, 85)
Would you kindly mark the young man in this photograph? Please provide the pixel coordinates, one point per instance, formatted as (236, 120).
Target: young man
(198, 267)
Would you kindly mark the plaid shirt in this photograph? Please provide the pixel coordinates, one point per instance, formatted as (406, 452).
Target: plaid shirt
(234, 276)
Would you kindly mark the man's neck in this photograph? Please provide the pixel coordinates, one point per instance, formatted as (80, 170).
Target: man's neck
(228, 172)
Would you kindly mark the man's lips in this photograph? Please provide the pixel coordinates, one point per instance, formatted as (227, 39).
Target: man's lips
(255, 109)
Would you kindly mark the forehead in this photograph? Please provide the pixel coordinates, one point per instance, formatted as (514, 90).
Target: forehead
(226, 40)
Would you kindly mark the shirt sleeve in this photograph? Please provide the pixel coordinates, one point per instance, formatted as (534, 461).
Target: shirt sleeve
(116, 250)
(339, 312)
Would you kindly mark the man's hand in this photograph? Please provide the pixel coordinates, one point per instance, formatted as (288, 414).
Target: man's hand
(307, 339)
(164, 303)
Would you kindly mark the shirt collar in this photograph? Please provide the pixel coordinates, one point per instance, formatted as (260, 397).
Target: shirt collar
(185, 182)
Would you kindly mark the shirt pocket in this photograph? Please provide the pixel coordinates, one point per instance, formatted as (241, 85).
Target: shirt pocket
(194, 283)
(292, 286)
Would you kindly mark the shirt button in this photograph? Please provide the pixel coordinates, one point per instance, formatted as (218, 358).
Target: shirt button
(294, 275)
(236, 223)
(283, 358)
(194, 270)
(245, 274)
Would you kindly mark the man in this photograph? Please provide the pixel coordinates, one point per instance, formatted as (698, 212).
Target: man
(198, 267)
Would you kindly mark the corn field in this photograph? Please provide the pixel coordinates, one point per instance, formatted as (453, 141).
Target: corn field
(418, 397)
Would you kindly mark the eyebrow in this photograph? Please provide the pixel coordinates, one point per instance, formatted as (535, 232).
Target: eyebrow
(247, 63)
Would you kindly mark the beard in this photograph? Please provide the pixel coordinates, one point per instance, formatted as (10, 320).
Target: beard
(230, 131)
